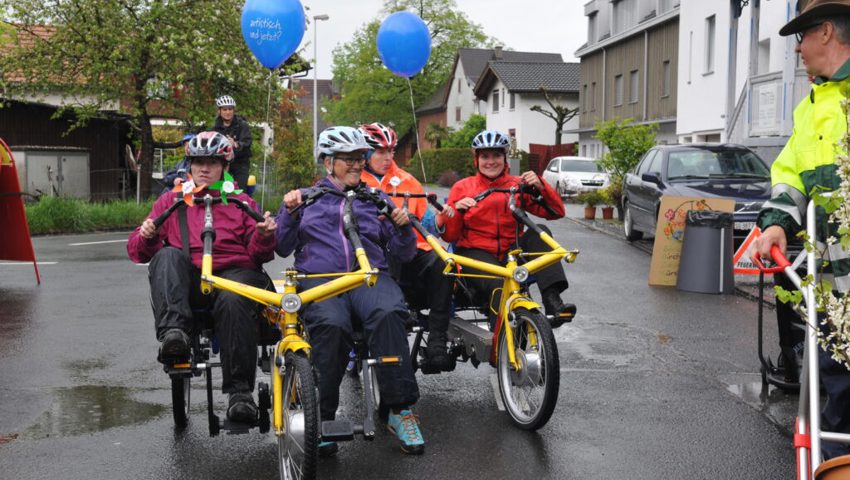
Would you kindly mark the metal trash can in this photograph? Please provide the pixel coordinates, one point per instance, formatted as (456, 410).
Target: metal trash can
(705, 265)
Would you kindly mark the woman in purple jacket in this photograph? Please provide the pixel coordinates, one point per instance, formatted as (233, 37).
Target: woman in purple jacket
(316, 236)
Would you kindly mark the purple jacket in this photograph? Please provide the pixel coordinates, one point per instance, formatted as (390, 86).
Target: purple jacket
(317, 237)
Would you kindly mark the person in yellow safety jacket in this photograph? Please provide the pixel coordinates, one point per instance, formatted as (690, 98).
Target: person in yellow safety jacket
(421, 279)
(807, 164)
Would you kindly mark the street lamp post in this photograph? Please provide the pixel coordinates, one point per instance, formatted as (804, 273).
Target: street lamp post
(316, 19)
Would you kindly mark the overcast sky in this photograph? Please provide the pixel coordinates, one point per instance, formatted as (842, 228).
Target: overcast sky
(554, 26)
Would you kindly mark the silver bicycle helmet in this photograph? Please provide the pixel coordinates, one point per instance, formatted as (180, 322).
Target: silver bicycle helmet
(340, 139)
(491, 139)
(225, 101)
(209, 144)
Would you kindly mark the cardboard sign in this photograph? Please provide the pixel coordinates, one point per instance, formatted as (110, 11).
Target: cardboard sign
(742, 264)
(670, 231)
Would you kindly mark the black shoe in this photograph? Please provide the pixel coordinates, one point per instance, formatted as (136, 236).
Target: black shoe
(241, 408)
(790, 363)
(174, 347)
(437, 353)
(559, 312)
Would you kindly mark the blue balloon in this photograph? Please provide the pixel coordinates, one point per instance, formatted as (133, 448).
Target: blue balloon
(272, 29)
(404, 43)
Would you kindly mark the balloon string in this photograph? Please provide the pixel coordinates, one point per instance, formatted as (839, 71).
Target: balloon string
(265, 147)
(416, 129)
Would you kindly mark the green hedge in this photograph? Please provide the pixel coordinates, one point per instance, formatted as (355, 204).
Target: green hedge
(459, 160)
(66, 215)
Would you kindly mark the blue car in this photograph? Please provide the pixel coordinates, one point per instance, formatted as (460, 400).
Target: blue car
(695, 170)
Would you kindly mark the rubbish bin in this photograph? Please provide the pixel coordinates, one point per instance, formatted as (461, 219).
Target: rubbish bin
(705, 265)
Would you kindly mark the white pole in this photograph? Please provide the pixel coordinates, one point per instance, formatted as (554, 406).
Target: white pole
(316, 19)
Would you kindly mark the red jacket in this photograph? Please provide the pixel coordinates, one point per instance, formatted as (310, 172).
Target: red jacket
(489, 225)
(236, 243)
(407, 183)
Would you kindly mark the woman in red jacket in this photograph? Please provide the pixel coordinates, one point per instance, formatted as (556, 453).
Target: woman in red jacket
(487, 230)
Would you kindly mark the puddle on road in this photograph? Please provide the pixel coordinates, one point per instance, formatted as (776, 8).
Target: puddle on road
(91, 408)
(773, 402)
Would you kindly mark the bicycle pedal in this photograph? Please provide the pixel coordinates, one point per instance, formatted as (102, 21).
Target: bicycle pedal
(337, 431)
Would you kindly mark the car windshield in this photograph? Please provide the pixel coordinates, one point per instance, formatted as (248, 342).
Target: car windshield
(700, 163)
(579, 166)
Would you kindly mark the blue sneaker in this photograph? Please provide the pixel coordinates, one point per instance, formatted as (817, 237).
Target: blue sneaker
(406, 427)
(328, 449)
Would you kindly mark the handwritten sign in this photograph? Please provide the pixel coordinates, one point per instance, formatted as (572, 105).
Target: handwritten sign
(670, 232)
(265, 30)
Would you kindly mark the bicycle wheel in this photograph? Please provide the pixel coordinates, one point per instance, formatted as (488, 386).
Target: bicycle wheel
(180, 392)
(298, 445)
(531, 393)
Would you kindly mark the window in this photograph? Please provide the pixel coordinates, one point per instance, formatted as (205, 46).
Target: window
(584, 102)
(709, 45)
(591, 28)
(593, 97)
(495, 101)
(457, 114)
(634, 83)
(513, 101)
(625, 15)
(503, 97)
(666, 78)
(643, 167)
(618, 90)
(459, 83)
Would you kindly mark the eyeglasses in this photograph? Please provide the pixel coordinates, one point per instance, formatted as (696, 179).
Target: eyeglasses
(351, 160)
(802, 33)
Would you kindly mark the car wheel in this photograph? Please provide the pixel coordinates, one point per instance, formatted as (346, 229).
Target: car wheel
(629, 224)
(559, 189)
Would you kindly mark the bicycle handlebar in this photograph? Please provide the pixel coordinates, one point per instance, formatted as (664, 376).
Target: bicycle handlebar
(430, 197)
(315, 194)
(242, 204)
(536, 196)
(779, 259)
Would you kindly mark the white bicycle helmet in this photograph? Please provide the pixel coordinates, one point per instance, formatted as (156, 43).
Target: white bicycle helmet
(340, 139)
(491, 139)
(209, 144)
(225, 101)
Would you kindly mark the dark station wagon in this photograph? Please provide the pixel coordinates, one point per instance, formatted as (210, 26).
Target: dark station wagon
(695, 170)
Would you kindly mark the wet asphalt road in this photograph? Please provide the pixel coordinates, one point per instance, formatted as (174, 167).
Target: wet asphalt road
(655, 383)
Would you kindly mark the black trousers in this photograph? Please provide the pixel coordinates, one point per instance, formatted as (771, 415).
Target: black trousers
(787, 319)
(239, 169)
(382, 313)
(176, 292)
(552, 276)
(425, 286)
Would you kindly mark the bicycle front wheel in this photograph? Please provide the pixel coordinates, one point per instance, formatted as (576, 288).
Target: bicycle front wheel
(180, 393)
(298, 443)
(531, 392)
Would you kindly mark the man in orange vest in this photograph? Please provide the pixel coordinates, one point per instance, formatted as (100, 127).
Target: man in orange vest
(422, 278)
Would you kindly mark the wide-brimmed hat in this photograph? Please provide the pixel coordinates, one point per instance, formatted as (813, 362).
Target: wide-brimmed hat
(815, 11)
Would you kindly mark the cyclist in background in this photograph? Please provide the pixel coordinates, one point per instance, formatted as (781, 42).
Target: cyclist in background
(422, 278)
(315, 235)
(489, 231)
(236, 129)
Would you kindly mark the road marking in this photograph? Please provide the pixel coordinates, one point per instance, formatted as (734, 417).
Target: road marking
(97, 243)
(494, 382)
(27, 263)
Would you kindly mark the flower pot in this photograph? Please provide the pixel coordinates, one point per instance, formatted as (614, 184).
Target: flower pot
(607, 213)
(837, 468)
(589, 213)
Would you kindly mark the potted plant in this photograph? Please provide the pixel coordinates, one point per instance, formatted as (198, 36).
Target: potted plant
(609, 202)
(590, 199)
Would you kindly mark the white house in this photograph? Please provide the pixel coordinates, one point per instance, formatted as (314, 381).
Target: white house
(738, 80)
(511, 89)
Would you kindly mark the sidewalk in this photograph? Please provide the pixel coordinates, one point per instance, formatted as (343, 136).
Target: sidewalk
(745, 285)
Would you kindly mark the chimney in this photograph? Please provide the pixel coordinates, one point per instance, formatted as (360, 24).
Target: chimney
(498, 53)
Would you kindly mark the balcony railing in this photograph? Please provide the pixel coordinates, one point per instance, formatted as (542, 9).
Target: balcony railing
(759, 110)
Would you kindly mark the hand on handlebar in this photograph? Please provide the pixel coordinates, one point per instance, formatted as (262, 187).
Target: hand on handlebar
(399, 217)
(268, 226)
(148, 229)
(532, 179)
(465, 203)
(292, 199)
(773, 235)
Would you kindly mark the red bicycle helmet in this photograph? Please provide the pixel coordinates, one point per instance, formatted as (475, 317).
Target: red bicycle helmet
(379, 136)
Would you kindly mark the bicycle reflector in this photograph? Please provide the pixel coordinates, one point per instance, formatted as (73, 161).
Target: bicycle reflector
(291, 303)
(520, 274)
